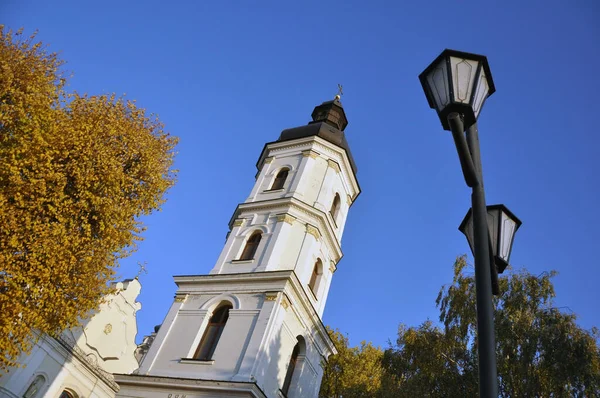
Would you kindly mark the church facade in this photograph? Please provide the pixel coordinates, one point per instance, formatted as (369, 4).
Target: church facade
(252, 327)
(80, 362)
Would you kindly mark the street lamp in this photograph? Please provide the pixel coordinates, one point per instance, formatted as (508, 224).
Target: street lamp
(456, 85)
(457, 82)
(502, 225)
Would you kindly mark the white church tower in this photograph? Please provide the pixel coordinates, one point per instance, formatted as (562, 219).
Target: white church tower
(252, 327)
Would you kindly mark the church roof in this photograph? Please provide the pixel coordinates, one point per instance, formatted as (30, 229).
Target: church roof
(329, 122)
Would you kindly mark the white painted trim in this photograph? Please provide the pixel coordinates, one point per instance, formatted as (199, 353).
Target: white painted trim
(212, 304)
(194, 385)
(196, 361)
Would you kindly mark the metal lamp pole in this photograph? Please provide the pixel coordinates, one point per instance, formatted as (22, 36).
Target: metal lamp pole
(456, 85)
(470, 160)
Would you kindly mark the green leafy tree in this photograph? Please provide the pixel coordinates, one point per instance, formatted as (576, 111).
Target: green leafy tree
(541, 351)
(354, 372)
(76, 174)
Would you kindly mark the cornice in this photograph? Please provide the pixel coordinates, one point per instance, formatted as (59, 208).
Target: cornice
(238, 277)
(189, 384)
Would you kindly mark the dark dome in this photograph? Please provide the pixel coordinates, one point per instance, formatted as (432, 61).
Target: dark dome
(323, 130)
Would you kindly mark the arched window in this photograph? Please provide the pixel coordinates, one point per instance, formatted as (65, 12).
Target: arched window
(251, 246)
(315, 278)
(213, 332)
(335, 207)
(36, 385)
(67, 394)
(298, 350)
(280, 179)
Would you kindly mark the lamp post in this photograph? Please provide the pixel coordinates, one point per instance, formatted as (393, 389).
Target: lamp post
(456, 85)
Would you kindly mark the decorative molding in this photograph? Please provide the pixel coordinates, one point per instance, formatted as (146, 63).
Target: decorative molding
(239, 222)
(332, 267)
(286, 218)
(349, 200)
(180, 298)
(310, 153)
(268, 160)
(314, 231)
(285, 303)
(271, 296)
(334, 165)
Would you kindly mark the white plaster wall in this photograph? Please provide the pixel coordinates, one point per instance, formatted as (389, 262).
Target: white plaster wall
(61, 371)
(180, 335)
(313, 180)
(287, 247)
(308, 373)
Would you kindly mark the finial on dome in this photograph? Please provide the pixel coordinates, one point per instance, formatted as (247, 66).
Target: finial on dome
(142, 269)
(340, 92)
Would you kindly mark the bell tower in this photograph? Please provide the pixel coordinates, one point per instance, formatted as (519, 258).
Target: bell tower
(253, 324)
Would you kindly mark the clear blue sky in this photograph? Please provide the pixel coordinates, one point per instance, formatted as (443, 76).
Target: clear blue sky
(228, 76)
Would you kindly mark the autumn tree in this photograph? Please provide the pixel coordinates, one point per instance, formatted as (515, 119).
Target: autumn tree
(541, 351)
(354, 372)
(76, 174)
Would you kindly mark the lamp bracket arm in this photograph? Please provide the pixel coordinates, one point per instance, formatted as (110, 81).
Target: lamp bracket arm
(464, 154)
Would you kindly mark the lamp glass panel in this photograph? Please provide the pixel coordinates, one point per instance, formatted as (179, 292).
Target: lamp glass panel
(482, 89)
(437, 80)
(493, 217)
(463, 78)
(507, 232)
(468, 231)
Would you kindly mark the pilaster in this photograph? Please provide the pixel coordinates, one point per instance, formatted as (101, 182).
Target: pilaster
(161, 336)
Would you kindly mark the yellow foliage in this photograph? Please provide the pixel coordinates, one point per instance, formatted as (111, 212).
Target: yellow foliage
(353, 372)
(76, 173)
